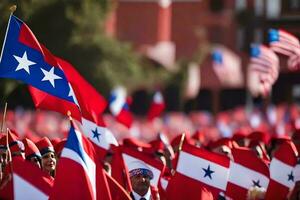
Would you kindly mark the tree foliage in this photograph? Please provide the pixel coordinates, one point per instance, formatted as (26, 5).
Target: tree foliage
(74, 31)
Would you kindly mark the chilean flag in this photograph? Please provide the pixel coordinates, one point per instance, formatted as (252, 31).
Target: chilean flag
(197, 168)
(282, 172)
(119, 107)
(246, 171)
(30, 182)
(129, 155)
(25, 59)
(157, 106)
(77, 156)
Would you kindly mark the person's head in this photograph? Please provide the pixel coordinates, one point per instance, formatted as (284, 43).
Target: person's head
(48, 155)
(32, 153)
(140, 176)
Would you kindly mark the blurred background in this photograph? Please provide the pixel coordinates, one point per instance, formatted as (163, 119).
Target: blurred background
(145, 45)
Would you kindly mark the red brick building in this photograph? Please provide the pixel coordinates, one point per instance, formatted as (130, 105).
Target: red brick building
(168, 30)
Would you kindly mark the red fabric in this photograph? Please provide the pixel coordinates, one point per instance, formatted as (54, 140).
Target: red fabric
(180, 187)
(286, 153)
(30, 148)
(157, 106)
(117, 191)
(119, 170)
(125, 118)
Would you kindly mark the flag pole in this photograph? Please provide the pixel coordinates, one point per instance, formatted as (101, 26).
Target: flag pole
(12, 10)
(181, 141)
(4, 116)
(9, 157)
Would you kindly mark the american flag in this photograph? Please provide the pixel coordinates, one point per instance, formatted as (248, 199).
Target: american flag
(227, 66)
(283, 42)
(265, 64)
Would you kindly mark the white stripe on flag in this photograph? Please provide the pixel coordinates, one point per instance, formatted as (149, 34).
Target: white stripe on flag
(279, 172)
(244, 177)
(192, 166)
(156, 172)
(23, 190)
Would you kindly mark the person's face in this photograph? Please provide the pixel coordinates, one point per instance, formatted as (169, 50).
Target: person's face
(48, 162)
(140, 184)
(35, 161)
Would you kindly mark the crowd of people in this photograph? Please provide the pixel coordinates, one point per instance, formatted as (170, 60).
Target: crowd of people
(39, 137)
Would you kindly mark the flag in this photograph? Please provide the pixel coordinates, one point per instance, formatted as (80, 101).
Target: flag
(117, 191)
(193, 81)
(246, 171)
(119, 170)
(157, 106)
(30, 182)
(79, 156)
(91, 107)
(198, 168)
(227, 66)
(265, 63)
(294, 62)
(119, 107)
(129, 155)
(282, 173)
(24, 58)
(283, 42)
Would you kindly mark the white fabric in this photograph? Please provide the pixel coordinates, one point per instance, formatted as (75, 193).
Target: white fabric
(279, 172)
(23, 190)
(244, 177)
(105, 138)
(129, 161)
(192, 166)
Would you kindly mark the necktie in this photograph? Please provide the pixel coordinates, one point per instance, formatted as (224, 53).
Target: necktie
(142, 198)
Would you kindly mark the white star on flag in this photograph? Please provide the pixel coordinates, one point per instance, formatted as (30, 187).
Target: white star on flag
(50, 76)
(72, 94)
(24, 63)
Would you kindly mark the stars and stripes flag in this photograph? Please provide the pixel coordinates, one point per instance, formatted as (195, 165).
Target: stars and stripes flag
(264, 63)
(246, 171)
(285, 43)
(227, 66)
(119, 107)
(24, 58)
(282, 172)
(198, 168)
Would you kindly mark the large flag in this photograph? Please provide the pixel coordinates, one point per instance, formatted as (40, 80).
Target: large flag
(227, 66)
(246, 171)
(91, 106)
(24, 58)
(79, 156)
(282, 173)
(198, 168)
(265, 64)
(119, 107)
(157, 106)
(30, 182)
